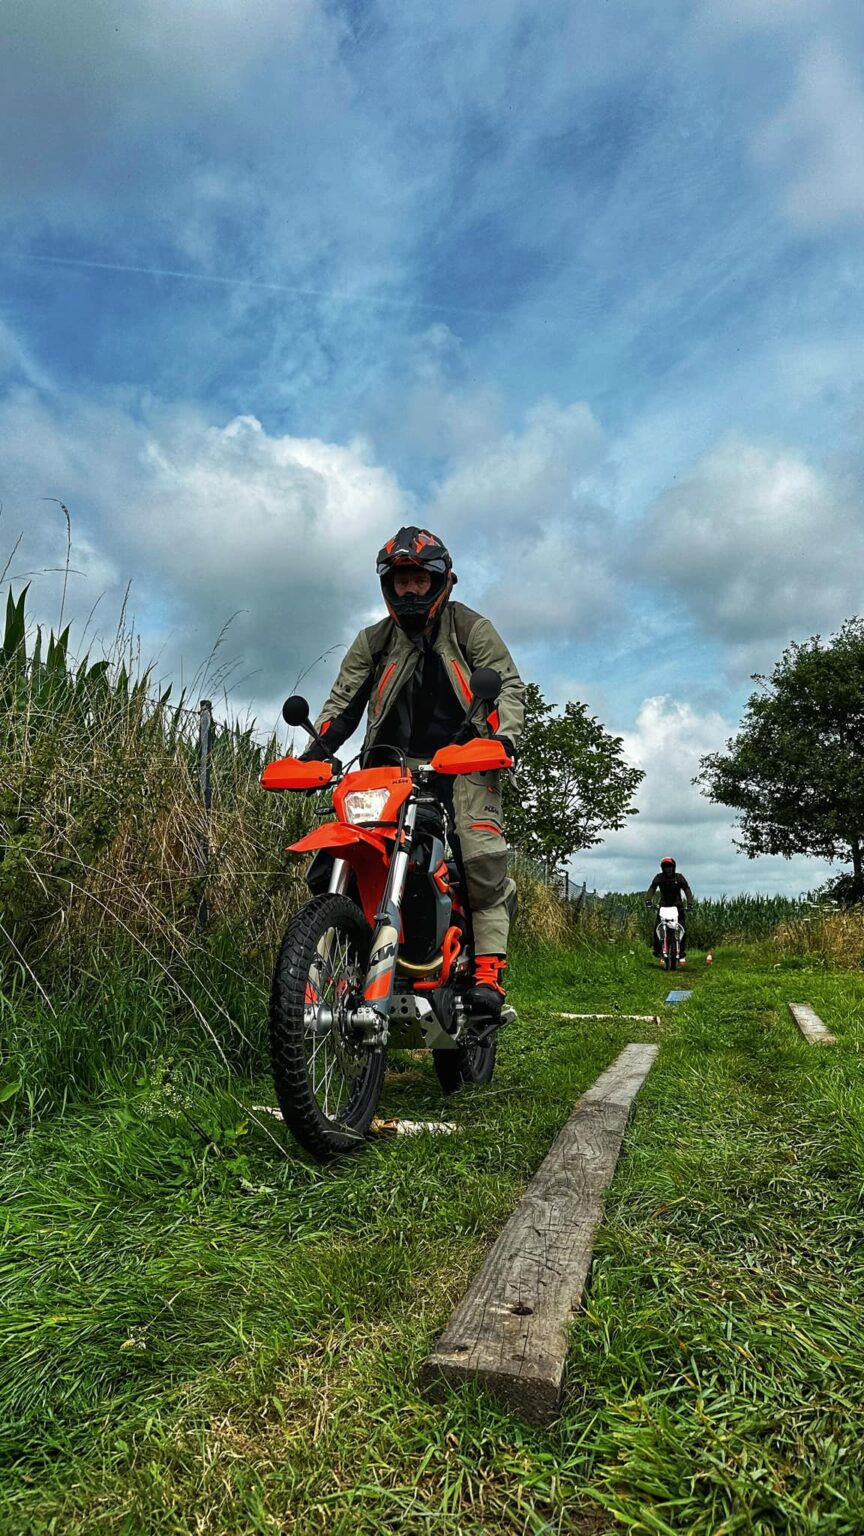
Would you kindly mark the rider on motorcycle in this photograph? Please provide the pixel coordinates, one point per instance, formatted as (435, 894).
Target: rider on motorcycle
(412, 670)
(673, 890)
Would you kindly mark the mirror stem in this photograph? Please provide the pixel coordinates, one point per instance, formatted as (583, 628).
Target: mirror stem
(310, 730)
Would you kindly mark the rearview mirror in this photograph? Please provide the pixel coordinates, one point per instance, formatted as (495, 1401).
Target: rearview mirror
(485, 684)
(295, 711)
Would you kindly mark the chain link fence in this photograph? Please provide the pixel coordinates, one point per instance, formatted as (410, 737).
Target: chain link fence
(564, 886)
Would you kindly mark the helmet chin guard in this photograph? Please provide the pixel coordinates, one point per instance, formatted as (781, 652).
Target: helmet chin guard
(424, 550)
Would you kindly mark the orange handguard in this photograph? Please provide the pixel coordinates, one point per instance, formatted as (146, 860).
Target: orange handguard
(478, 756)
(291, 773)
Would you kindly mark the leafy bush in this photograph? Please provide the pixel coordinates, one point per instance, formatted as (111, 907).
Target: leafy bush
(842, 891)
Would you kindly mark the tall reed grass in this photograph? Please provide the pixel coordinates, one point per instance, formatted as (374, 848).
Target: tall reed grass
(106, 853)
(832, 935)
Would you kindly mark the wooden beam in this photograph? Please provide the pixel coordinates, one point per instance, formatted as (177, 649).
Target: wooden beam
(641, 1018)
(811, 1025)
(510, 1331)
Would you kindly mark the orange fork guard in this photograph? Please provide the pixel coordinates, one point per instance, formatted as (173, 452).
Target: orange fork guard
(290, 773)
(478, 756)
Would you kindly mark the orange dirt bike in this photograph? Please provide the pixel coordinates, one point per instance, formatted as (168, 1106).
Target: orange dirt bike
(670, 933)
(381, 954)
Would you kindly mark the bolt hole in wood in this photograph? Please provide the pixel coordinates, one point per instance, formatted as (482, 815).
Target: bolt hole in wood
(520, 1311)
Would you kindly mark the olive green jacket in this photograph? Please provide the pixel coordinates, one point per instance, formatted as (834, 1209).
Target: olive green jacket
(382, 659)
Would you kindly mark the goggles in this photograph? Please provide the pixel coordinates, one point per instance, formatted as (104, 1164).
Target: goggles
(405, 557)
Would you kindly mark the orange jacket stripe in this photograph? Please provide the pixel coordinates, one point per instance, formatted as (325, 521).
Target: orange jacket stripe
(463, 684)
(485, 826)
(388, 673)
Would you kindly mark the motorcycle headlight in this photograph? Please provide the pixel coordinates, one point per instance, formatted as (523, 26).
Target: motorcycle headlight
(365, 805)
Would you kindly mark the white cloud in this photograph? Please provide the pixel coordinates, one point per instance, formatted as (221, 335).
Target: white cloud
(813, 141)
(667, 742)
(17, 363)
(725, 19)
(528, 504)
(816, 142)
(521, 479)
(76, 80)
(207, 520)
(758, 547)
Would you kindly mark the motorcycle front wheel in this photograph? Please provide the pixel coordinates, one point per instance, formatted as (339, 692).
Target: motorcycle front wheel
(328, 1080)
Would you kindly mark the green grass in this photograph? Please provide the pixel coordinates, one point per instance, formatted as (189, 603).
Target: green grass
(204, 1332)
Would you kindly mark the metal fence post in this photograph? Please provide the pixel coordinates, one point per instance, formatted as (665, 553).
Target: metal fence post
(205, 723)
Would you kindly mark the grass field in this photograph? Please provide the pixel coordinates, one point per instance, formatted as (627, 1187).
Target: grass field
(203, 1334)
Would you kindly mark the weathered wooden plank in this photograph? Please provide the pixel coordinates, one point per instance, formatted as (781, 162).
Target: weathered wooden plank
(641, 1018)
(811, 1025)
(510, 1331)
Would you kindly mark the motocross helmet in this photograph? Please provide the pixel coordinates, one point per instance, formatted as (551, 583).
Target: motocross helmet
(418, 547)
(668, 865)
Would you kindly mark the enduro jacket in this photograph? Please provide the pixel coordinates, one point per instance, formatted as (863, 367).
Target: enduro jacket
(671, 888)
(381, 661)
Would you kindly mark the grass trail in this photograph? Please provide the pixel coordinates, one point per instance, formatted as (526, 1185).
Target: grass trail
(202, 1335)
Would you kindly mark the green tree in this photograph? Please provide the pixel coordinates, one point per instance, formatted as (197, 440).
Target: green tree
(795, 770)
(571, 782)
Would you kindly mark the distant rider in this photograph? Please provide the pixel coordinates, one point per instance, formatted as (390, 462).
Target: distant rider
(674, 892)
(412, 670)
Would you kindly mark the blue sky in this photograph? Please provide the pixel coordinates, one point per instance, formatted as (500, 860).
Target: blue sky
(578, 285)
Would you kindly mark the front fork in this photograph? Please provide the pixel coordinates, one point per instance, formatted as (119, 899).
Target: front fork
(373, 1013)
(339, 878)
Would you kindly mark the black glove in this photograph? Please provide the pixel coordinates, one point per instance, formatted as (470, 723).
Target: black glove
(313, 754)
(507, 745)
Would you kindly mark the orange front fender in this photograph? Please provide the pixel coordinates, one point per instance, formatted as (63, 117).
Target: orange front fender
(366, 853)
(335, 834)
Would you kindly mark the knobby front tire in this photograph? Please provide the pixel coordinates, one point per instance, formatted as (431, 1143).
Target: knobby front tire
(328, 1082)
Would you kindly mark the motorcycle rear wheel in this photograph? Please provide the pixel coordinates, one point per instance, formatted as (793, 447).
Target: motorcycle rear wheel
(328, 1081)
(469, 1063)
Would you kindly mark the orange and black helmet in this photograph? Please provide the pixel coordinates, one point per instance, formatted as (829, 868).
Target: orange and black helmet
(668, 865)
(418, 547)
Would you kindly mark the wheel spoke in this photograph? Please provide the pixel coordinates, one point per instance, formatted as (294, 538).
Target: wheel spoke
(335, 1061)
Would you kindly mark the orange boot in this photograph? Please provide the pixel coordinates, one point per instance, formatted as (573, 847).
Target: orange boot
(487, 994)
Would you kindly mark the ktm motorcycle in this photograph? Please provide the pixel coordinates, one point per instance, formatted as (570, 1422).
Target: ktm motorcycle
(381, 956)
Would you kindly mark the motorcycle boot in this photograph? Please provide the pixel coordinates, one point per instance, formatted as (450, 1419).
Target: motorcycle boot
(487, 994)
